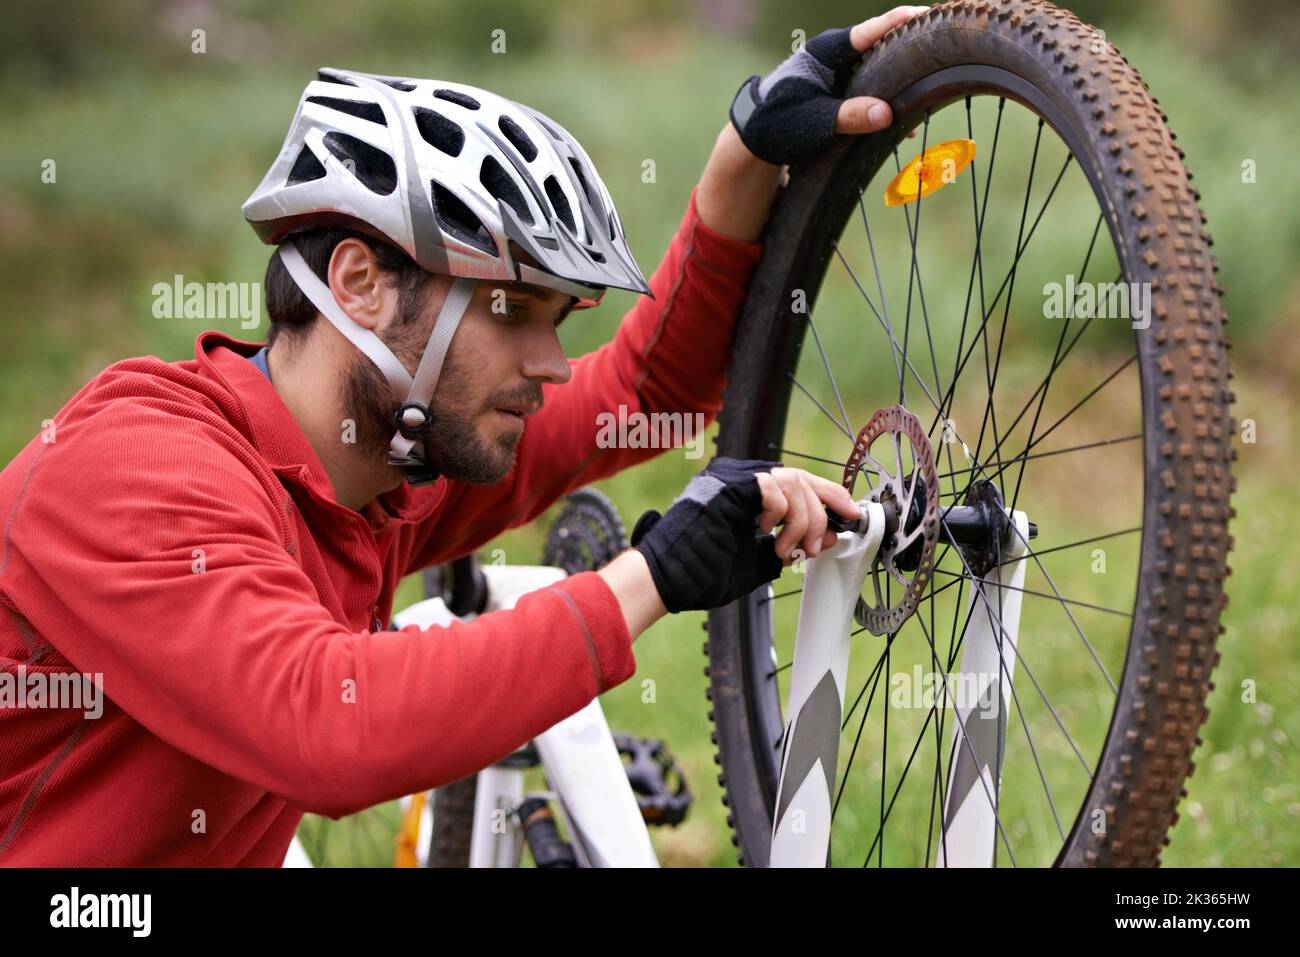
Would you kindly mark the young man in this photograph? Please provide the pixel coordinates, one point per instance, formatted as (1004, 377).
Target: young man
(216, 542)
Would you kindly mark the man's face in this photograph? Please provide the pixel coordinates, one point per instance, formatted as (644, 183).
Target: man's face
(504, 349)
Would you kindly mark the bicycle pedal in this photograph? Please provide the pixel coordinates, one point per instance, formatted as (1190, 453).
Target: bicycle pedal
(659, 785)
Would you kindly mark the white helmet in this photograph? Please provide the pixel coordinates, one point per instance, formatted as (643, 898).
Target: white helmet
(451, 174)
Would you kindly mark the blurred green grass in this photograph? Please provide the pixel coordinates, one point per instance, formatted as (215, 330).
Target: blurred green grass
(156, 152)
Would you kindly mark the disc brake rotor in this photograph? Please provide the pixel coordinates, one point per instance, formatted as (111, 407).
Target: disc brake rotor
(911, 504)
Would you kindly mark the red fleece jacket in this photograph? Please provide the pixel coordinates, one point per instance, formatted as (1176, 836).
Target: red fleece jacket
(174, 532)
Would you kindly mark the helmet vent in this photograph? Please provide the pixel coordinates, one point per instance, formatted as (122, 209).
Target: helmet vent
(459, 220)
(559, 203)
(398, 85)
(366, 111)
(518, 138)
(305, 168)
(460, 99)
(373, 167)
(439, 132)
(582, 179)
(498, 183)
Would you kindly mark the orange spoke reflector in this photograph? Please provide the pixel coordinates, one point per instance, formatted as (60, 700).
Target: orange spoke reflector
(932, 170)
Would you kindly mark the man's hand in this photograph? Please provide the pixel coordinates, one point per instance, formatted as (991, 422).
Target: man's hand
(740, 179)
(797, 499)
(795, 112)
(715, 543)
(866, 114)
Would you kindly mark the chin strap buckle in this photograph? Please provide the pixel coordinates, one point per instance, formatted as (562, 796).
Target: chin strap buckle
(413, 420)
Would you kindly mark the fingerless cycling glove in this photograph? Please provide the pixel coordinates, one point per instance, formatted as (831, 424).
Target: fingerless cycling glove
(790, 116)
(706, 551)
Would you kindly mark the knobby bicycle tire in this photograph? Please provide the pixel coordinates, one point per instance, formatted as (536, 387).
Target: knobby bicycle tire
(453, 820)
(1044, 58)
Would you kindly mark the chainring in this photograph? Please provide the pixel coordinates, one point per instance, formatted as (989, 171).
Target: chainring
(587, 534)
(909, 520)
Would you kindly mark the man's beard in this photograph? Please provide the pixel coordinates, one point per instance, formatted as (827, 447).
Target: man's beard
(452, 445)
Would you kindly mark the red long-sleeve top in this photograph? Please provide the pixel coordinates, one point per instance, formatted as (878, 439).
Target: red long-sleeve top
(174, 532)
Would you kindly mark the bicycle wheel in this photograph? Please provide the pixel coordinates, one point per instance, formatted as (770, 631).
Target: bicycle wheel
(947, 305)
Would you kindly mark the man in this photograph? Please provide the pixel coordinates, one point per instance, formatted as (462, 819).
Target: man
(216, 542)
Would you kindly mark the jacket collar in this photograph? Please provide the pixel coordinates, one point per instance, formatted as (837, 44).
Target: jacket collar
(262, 416)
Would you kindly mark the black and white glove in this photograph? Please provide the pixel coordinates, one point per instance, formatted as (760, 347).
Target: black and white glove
(707, 550)
(790, 115)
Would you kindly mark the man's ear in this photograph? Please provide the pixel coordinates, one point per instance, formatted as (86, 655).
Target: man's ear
(359, 285)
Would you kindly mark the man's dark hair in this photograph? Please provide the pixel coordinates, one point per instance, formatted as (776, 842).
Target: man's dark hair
(292, 312)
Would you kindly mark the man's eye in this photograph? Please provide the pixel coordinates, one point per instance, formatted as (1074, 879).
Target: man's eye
(514, 308)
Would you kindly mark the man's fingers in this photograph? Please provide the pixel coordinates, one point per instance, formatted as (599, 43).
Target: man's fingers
(870, 31)
(812, 539)
(867, 114)
(836, 496)
(796, 516)
(863, 114)
(774, 504)
(794, 499)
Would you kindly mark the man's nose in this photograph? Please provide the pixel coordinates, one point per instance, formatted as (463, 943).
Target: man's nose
(545, 359)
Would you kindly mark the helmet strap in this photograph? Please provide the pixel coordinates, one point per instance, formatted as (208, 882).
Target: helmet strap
(415, 393)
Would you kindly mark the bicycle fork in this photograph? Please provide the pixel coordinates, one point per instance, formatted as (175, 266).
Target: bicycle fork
(810, 743)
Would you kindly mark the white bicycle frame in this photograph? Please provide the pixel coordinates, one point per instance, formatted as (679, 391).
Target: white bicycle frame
(810, 744)
(586, 776)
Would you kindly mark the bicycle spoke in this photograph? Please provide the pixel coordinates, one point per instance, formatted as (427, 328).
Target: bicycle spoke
(834, 421)
(1039, 594)
(921, 737)
(1056, 365)
(884, 763)
(879, 286)
(1025, 665)
(949, 396)
(1004, 463)
(1047, 382)
(830, 375)
(1084, 541)
(896, 348)
(1075, 408)
(817, 458)
(990, 411)
(914, 269)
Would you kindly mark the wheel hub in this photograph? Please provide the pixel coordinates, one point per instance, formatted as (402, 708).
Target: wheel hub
(979, 529)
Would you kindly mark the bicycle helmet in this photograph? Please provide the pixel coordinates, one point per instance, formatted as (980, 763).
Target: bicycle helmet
(451, 174)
